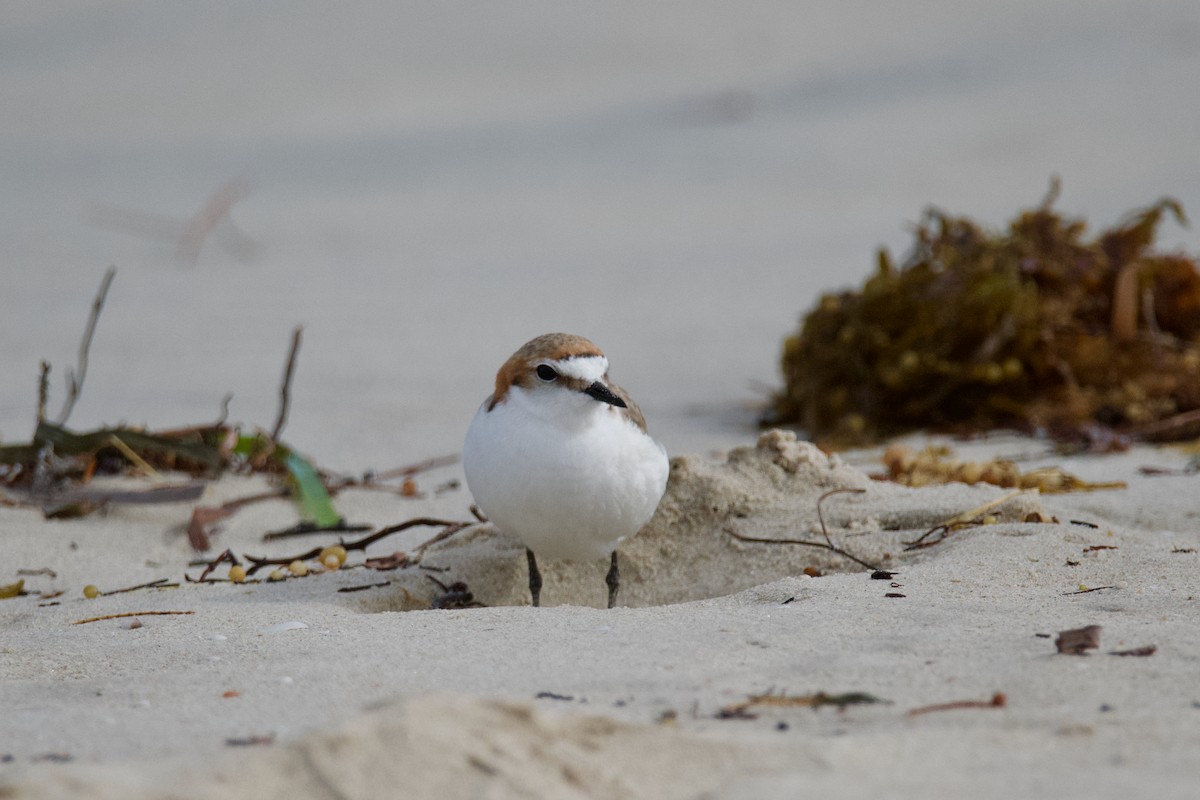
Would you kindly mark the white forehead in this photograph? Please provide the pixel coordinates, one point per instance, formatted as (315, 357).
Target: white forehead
(585, 368)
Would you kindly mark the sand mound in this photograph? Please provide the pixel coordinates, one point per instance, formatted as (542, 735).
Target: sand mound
(686, 551)
(447, 747)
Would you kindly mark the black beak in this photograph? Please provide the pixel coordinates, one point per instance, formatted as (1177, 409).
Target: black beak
(602, 393)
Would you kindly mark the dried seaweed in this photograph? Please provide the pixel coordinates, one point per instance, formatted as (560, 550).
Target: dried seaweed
(1038, 327)
(936, 465)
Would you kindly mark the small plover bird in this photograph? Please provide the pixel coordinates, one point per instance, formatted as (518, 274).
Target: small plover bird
(558, 456)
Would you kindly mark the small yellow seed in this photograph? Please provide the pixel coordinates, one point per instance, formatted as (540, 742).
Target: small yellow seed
(237, 573)
(330, 562)
(91, 592)
(298, 568)
(335, 550)
(276, 575)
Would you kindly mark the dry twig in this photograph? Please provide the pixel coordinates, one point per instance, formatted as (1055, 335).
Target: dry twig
(161, 583)
(450, 528)
(815, 700)
(131, 614)
(825, 545)
(285, 386)
(959, 521)
(75, 378)
(999, 700)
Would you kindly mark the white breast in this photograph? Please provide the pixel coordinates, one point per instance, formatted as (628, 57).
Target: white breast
(571, 483)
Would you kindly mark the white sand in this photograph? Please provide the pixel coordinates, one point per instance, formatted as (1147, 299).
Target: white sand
(366, 698)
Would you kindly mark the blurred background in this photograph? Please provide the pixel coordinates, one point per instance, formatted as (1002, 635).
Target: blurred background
(426, 186)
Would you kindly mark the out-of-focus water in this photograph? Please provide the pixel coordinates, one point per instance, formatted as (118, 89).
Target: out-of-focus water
(433, 185)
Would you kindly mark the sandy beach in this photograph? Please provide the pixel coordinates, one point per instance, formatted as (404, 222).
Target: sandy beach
(289, 688)
(424, 190)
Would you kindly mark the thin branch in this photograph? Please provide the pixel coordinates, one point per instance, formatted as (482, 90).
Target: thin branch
(285, 388)
(227, 556)
(451, 528)
(998, 701)
(958, 521)
(161, 583)
(43, 390)
(75, 379)
(413, 469)
(806, 543)
(821, 516)
(310, 528)
(130, 614)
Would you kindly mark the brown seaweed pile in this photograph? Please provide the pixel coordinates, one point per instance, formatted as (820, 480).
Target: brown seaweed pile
(1038, 327)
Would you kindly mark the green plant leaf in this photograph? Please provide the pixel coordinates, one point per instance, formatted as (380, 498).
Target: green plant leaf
(310, 493)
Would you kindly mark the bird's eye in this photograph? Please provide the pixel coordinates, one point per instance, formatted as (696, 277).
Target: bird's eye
(546, 372)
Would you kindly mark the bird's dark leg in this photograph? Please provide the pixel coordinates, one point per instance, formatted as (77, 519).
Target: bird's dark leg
(613, 579)
(535, 577)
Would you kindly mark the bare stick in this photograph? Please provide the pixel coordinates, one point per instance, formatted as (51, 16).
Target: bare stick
(75, 379)
(806, 543)
(285, 388)
(130, 614)
(958, 521)
(998, 701)
(161, 583)
(413, 469)
(821, 517)
(43, 390)
(451, 527)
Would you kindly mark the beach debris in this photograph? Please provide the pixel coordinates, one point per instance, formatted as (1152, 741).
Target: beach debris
(883, 575)
(1140, 652)
(251, 741)
(449, 528)
(783, 700)
(1092, 340)
(132, 614)
(54, 470)
(52, 758)
(282, 627)
(967, 519)
(362, 587)
(1077, 641)
(1084, 589)
(999, 700)
(133, 624)
(332, 557)
(825, 545)
(10, 590)
(935, 464)
(456, 595)
(894, 594)
(91, 591)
